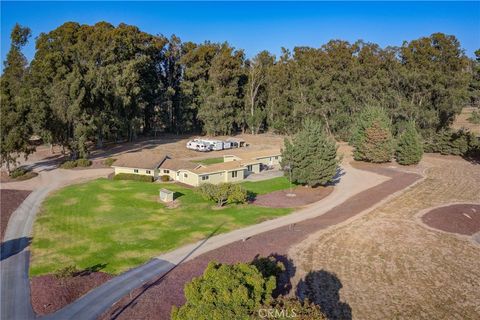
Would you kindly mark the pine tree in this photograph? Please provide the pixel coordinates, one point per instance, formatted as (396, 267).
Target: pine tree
(372, 138)
(409, 149)
(311, 156)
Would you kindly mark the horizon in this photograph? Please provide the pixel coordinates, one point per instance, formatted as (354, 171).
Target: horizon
(284, 24)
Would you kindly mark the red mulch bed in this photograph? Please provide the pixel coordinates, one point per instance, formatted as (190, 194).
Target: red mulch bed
(456, 218)
(303, 196)
(155, 300)
(9, 202)
(50, 294)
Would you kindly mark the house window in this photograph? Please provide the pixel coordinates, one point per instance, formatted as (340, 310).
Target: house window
(249, 167)
(148, 172)
(276, 158)
(204, 177)
(166, 171)
(185, 175)
(135, 170)
(234, 174)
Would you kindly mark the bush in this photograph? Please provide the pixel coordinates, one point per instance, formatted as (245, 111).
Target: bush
(225, 292)
(475, 117)
(448, 142)
(165, 178)
(84, 163)
(68, 271)
(68, 165)
(18, 172)
(131, 176)
(109, 161)
(223, 193)
(409, 148)
(372, 137)
(311, 157)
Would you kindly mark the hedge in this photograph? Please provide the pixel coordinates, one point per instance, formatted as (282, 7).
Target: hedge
(131, 176)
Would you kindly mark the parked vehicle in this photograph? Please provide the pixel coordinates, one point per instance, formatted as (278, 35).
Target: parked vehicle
(198, 145)
(214, 145)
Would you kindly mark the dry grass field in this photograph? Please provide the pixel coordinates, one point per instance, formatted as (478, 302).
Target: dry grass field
(461, 121)
(390, 266)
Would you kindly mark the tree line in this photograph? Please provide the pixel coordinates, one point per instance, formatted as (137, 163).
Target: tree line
(88, 84)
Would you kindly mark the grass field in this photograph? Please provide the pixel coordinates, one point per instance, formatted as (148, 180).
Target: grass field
(267, 186)
(121, 223)
(210, 161)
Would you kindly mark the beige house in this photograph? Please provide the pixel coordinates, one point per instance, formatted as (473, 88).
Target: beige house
(235, 168)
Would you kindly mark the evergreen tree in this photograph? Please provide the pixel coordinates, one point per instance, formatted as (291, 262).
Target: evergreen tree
(372, 138)
(14, 118)
(311, 156)
(409, 146)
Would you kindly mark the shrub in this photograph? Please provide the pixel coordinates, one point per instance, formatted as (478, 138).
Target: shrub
(18, 172)
(475, 117)
(131, 176)
(68, 165)
(225, 292)
(65, 272)
(448, 142)
(311, 157)
(223, 193)
(372, 137)
(165, 178)
(409, 148)
(84, 163)
(109, 161)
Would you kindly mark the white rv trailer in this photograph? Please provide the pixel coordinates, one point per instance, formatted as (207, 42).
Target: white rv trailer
(198, 145)
(215, 145)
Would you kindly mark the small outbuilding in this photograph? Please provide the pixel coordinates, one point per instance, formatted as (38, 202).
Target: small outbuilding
(166, 195)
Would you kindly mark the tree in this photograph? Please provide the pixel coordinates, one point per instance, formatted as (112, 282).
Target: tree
(225, 292)
(14, 118)
(372, 138)
(474, 87)
(256, 91)
(223, 193)
(409, 146)
(311, 156)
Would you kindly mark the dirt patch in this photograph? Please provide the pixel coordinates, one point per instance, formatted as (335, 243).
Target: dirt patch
(283, 199)
(456, 218)
(50, 294)
(10, 200)
(70, 202)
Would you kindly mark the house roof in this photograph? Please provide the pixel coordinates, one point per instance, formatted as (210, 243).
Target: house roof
(175, 165)
(258, 154)
(143, 160)
(218, 167)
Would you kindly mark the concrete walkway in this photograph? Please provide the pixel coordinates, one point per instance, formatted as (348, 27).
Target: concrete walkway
(15, 285)
(352, 182)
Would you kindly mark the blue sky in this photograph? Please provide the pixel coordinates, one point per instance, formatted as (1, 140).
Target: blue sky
(257, 26)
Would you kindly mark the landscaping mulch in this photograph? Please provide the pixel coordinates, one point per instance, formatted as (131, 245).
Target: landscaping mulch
(155, 300)
(456, 218)
(50, 294)
(10, 200)
(282, 198)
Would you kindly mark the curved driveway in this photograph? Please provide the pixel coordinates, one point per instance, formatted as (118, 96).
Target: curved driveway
(15, 295)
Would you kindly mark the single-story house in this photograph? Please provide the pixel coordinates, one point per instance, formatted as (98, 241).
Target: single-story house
(234, 168)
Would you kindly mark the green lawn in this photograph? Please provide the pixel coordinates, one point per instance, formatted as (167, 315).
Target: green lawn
(209, 161)
(121, 223)
(267, 186)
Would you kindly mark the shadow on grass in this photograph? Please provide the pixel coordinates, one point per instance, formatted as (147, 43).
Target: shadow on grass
(177, 194)
(95, 268)
(157, 281)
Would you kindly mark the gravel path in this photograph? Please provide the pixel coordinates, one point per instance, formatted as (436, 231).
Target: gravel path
(155, 300)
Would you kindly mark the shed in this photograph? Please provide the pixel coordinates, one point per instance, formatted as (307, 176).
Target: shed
(166, 195)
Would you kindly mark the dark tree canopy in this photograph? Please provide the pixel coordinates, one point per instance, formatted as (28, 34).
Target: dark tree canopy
(89, 84)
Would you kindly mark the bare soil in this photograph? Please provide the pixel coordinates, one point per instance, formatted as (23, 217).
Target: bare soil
(50, 294)
(456, 218)
(10, 200)
(155, 299)
(283, 199)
